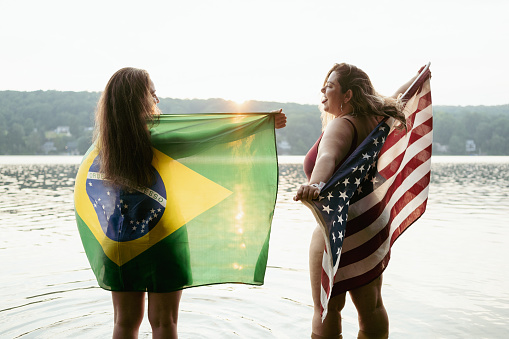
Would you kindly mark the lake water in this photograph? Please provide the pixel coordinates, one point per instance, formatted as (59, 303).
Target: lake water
(448, 276)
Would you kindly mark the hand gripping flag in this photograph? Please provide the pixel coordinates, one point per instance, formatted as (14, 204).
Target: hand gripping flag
(206, 219)
(378, 192)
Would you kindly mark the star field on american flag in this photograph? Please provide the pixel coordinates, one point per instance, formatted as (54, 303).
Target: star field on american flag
(355, 182)
(114, 207)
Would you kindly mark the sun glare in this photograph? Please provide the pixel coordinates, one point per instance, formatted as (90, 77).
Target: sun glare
(239, 103)
(239, 99)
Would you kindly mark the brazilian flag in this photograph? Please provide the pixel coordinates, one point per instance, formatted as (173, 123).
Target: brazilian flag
(207, 218)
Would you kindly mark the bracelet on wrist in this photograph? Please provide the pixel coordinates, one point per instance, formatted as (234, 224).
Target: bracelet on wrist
(319, 186)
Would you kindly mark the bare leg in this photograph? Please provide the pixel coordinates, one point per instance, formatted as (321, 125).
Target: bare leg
(331, 326)
(128, 308)
(163, 311)
(373, 319)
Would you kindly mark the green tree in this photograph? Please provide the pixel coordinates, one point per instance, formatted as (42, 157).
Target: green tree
(84, 142)
(21, 112)
(15, 139)
(457, 145)
(75, 127)
(501, 126)
(470, 121)
(33, 142)
(60, 143)
(28, 126)
(3, 134)
(498, 145)
(482, 136)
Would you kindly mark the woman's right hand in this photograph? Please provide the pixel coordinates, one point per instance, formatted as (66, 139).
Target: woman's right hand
(279, 119)
(405, 86)
(307, 192)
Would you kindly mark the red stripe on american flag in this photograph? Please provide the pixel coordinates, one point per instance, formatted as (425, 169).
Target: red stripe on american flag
(424, 101)
(397, 135)
(369, 216)
(409, 221)
(421, 130)
(392, 167)
(366, 249)
(409, 195)
(370, 246)
(325, 282)
(393, 138)
(363, 279)
(415, 134)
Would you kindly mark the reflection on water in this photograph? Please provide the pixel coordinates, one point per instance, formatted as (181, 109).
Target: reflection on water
(51, 177)
(447, 276)
(479, 174)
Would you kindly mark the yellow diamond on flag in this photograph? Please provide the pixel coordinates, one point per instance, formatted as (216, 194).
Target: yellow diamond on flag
(188, 194)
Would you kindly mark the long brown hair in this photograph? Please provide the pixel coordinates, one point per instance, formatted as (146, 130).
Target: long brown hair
(121, 132)
(365, 100)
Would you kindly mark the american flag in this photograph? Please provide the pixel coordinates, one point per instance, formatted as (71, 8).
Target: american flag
(378, 192)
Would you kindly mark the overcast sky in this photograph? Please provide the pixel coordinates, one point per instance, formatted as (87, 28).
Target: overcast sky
(271, 50)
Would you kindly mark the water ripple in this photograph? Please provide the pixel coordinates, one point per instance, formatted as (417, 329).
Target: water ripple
(447, 275)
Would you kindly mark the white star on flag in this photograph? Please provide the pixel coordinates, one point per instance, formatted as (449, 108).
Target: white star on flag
(327, 209)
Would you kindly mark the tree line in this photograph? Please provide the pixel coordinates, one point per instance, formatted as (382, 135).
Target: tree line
(55, 122)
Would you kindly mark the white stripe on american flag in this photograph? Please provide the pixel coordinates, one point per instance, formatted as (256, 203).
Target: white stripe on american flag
(409, 152)
(378, 222)
(370, 200)
(362, 266)
(328, 270)
(326, 267)
(390, 154)
(360, 238)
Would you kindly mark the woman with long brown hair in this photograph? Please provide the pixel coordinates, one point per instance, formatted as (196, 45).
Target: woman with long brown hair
(127, 104)
(351, 110)
(126, 110)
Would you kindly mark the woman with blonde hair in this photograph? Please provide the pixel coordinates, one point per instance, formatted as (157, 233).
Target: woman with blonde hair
(351, 110)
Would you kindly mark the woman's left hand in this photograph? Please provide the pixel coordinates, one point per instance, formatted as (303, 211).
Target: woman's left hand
(307, 192)
(279, 118)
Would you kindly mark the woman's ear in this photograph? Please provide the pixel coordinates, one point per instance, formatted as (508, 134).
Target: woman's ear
(348, 96)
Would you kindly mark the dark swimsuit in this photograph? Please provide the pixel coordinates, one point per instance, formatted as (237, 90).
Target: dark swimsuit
(310, 159)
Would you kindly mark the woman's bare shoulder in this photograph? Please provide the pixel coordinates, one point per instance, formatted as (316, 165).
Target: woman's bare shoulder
(338, 132)
(340, 126)
(364, 124)
(337, 138)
